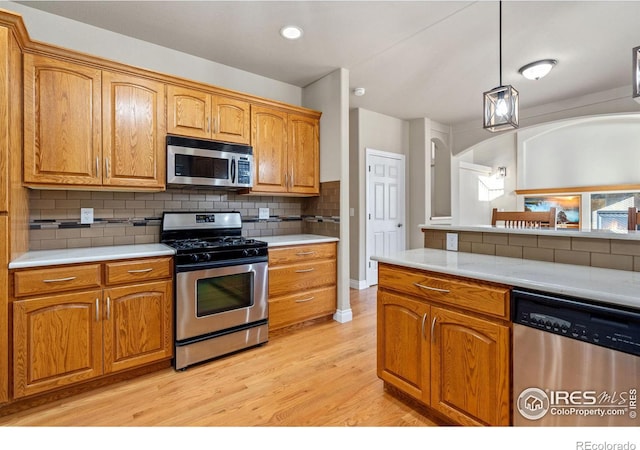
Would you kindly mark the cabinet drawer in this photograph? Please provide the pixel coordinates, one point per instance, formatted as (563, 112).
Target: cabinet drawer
(301, 253)
(58, 279)
(141, 270)
(308, 305)
(466, 294)
(300, 277)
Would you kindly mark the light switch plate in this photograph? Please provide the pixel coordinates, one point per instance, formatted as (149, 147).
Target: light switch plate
(86, 215)
(452, 241)
(263, 213)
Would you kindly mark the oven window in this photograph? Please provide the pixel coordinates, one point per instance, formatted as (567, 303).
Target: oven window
(219, 294)
(203, 167)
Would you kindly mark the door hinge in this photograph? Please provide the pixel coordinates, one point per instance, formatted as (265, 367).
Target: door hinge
(369, 168)
(369, 264)
(369, 216)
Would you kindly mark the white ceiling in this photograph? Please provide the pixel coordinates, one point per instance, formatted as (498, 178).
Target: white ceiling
(414, 58)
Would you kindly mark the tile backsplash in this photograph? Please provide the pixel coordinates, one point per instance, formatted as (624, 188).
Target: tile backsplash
(122, 218)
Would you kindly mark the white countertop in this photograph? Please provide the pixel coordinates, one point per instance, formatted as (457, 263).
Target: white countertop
(618, 287)
(296, 239)
(91, 254)
(571, 232)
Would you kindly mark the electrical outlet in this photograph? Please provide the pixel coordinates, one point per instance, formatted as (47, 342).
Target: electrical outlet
(452, 241)
(263, 213)
(86, 215)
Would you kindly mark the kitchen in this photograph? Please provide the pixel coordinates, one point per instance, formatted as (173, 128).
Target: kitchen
(335, 141)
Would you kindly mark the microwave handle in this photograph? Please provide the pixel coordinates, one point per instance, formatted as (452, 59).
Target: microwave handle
(233, 170)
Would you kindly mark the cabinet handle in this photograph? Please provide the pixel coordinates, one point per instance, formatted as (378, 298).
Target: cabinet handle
(97, 310)
(305, 253)
(424, 319)
(302, 300)
(58, 280)
(286, 180)
(429, 288)
(140, 270)
(216, 125)
(97, 166)
(208, 124)
(291, 180)
(433, 325)
(108, 308)
(305, 270)
(106, 164)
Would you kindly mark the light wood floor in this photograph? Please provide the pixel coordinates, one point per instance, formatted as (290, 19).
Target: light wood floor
(320, 375)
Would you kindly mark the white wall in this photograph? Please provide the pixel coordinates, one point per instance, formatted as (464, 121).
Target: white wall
(74, 35)
(368, 129)
(331, 95)
(585, 151)
(617, 100)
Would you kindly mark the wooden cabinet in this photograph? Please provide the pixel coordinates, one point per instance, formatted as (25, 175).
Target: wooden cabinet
(133, 131)
(88, 128)
(123, 321)
(302, 283)
(200, 114)
(286, 150)
(433, 346)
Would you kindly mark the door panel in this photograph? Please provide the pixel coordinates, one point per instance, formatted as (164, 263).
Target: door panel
(133, 131)
(385, 208)
(470, 369)
(188, 112)
(57, 341)
(137, 326)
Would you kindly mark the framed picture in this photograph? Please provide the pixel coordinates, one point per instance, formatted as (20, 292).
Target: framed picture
(568, 207)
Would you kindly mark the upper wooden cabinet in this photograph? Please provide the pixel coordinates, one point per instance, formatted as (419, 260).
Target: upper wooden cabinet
(133, 131)
(286, 152)
(62, 122)
(85, 127)
(200, 114)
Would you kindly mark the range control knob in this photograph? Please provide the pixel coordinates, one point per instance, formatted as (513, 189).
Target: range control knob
(250, 252)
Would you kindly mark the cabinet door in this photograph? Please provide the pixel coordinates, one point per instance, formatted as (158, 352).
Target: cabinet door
(62, 117)
(403, 344)
(133, 131)
(4, 309)
(303, 155)
(137, 326)
(269, 141)
(57, 341)
(188, 112)
(231, 119)
(470, 369)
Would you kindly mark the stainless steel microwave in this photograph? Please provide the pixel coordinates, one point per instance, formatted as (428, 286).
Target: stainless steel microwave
(198, 162)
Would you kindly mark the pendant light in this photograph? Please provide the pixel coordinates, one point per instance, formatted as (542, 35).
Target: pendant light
(501, 103)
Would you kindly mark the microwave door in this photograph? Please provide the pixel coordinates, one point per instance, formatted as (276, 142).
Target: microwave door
(189, 166)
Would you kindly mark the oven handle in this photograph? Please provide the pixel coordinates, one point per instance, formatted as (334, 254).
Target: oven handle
(218, 264)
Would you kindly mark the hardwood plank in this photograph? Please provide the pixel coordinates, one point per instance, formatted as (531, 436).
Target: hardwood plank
(320, 375)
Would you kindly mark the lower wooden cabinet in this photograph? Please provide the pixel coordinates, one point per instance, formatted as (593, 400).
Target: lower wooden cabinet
(60, 340)
(302, 283)
(453, 361)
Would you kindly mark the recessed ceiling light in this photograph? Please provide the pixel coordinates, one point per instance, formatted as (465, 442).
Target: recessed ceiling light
(291, 32)
(537, 69)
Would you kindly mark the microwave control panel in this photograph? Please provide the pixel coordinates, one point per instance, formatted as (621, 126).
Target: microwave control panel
(244, 171)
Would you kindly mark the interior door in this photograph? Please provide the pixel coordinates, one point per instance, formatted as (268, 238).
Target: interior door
(385, 216)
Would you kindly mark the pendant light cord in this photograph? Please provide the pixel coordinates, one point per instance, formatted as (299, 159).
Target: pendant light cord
(500, 38)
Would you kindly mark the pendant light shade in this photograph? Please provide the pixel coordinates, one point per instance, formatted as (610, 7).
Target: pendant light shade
(501, 103)
(501, 108)
(636, 74)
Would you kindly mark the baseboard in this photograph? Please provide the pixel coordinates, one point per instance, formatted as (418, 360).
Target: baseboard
(358, 284)
(343, 315)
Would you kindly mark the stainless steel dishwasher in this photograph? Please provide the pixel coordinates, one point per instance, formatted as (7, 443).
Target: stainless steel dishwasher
(575, 362)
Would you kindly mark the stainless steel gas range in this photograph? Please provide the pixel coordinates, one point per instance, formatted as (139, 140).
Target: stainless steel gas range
(221, 284)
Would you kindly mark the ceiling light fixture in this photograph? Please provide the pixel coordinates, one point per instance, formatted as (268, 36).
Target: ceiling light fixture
(636, 74)
(501, 103)
(359, 91)
(291, 32)
(537, 69)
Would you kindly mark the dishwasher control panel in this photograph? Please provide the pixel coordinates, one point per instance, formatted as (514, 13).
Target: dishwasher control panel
(596, 323)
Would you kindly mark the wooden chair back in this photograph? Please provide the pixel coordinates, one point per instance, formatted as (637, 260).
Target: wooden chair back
(525, 219)
(634, 218)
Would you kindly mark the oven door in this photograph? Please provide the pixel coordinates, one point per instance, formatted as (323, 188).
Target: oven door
(209, 300)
